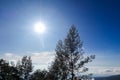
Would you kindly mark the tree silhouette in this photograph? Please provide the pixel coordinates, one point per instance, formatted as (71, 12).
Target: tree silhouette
(69, 57)
(59, 68)
(8, 72)
(24, 67)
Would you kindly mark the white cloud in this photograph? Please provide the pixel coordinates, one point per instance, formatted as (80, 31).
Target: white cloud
(11, 56)
(104, 71)
(42, 59)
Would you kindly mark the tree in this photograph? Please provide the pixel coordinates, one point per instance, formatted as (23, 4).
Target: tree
(8, 72)
(69, 57)
(24, 67)
(3, 69)
(59, 69)
(39, 75)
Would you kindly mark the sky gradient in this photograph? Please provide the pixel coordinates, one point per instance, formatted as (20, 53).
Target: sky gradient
(98, 23)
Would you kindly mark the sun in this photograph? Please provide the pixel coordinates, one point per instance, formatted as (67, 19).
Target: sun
(39, 27)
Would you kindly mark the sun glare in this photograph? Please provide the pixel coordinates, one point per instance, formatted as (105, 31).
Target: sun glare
(39, 27)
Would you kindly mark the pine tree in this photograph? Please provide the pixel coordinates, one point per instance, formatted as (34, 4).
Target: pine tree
(59, 68)
(24, 67)
(69, 57)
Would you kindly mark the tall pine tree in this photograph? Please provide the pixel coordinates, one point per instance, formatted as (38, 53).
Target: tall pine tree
(69, 57)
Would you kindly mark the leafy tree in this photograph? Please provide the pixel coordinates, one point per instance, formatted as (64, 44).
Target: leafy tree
(69, 57)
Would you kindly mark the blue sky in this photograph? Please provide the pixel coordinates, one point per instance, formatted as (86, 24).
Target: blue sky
(96, 20)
